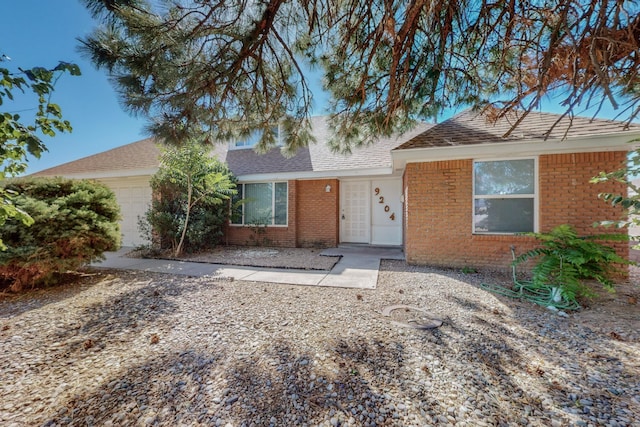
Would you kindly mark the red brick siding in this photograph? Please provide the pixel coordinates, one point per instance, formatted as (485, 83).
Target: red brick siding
(576, 201)
(438, 222)
(318, 213)
(312, 219)
(567, 195)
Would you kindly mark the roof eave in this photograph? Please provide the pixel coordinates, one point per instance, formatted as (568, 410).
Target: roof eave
(308, 175)
(105, 174)
(611, 142)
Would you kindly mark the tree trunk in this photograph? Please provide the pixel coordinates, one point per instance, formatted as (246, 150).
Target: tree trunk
(186, 219)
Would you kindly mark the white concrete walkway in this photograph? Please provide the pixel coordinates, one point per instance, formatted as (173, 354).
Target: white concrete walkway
(358, 268)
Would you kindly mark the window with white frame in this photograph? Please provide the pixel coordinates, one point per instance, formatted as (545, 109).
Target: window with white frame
(264, 203)
(254, 137)
(504, 196)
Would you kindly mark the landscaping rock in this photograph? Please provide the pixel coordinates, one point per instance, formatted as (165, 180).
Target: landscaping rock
(243, 353)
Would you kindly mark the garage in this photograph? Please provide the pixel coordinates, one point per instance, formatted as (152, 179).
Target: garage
(134, 197)
(127, 171)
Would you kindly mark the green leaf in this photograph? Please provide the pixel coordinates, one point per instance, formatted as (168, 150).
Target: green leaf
(565, 259)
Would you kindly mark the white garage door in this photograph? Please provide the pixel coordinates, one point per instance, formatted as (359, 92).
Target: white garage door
(134, 198)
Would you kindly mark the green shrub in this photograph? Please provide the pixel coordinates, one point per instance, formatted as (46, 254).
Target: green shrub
(565, 260)
(164, 220)
(191, 205)
(75, 222)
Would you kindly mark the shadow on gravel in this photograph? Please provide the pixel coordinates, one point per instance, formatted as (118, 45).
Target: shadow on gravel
(279, 386)
(489, 381)
(359, 381)
(149, 301)
(525, 379)
(71, 284)
(356, 379)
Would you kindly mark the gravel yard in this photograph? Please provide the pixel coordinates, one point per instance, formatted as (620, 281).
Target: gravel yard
(133, 348)
(298, 258)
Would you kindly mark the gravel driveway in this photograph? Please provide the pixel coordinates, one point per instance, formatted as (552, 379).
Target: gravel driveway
(131, 348)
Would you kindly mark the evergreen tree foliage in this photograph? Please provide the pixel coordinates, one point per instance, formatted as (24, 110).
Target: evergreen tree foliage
(231, 68)
(75, 222)
(190, 207)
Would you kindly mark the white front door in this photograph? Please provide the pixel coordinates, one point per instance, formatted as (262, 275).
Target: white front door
(371, 211)
(386, 212)
(355, 214)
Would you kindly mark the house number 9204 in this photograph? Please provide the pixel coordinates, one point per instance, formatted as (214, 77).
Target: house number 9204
(392, 217)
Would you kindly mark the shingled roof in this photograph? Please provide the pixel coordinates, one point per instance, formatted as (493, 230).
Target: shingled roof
(143, 156)
(138, 156)
(318, 157)
(375, 155)
(473, 128)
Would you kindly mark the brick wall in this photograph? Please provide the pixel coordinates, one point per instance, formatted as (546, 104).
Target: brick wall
(576, 202)
(312, 219)
(438, 211)
(317, 223)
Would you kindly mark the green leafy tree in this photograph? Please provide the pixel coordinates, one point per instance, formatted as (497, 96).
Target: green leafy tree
(192, 191)
(630, 200)
(19, 137)
(231, 68)
(75, 222)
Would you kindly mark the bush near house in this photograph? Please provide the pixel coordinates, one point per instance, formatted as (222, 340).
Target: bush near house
(565, 260)
(75, 222)
(164, 221)
(192, 191)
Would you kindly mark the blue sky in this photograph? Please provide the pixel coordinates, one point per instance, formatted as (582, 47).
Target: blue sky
(44, 32)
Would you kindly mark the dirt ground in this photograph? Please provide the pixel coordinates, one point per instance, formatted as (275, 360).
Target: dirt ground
(122, 347)
(619, 310)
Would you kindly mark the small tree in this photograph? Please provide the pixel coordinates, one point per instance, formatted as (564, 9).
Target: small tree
(192, 189)
(20, 138)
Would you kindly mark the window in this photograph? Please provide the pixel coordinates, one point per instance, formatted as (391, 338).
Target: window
(249, 141)
(504, 194)
(265, 203)
(254, 137)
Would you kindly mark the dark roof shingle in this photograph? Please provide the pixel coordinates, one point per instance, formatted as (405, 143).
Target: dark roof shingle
(318, 157)
(470, 127)
(246, 161)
